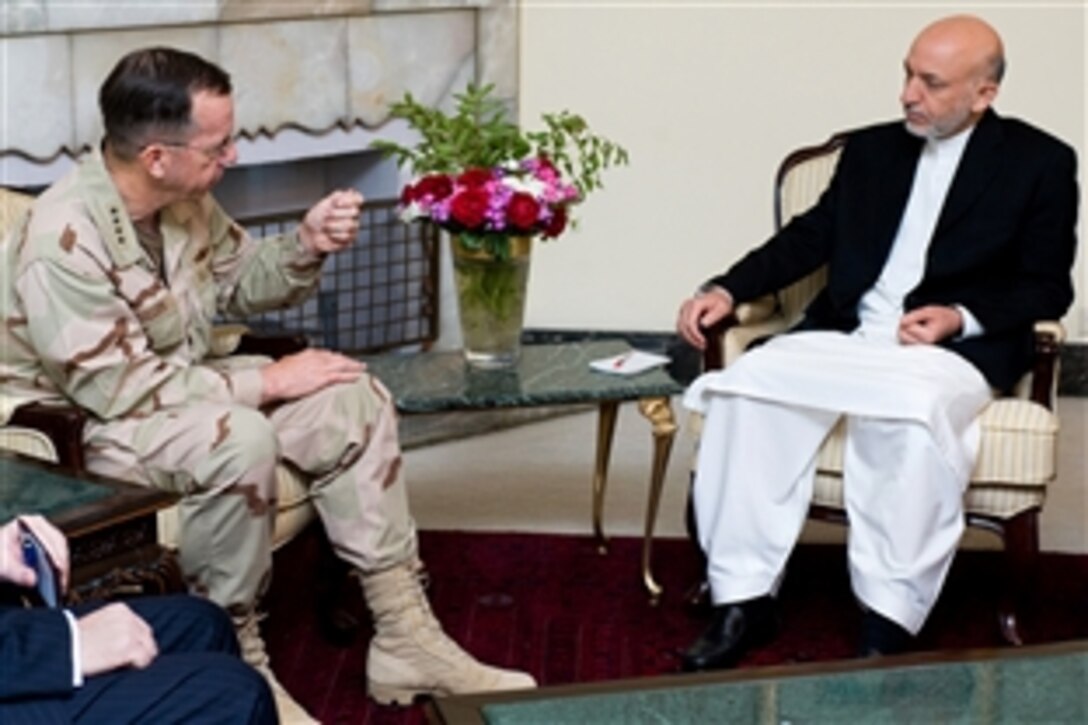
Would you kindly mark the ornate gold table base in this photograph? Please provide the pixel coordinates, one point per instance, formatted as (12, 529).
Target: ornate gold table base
(658, 411)
(546, 374)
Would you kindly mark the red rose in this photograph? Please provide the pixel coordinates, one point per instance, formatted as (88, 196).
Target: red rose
(469, 207)
(557, 223)
(473, 178)
(436, 186)
(522, 211)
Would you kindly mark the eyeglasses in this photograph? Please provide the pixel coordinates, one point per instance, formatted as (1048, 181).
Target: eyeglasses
(212, 153)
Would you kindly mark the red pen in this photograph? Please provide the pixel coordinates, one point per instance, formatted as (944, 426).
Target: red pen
(621, 360)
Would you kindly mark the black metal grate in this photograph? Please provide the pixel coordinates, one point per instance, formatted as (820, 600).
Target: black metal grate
(381, 293)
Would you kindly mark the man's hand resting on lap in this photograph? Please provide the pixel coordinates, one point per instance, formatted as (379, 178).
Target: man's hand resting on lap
(114, 637)
(298, 375)
(929, 325)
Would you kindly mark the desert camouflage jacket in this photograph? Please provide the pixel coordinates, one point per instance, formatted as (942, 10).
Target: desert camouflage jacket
(90, 314)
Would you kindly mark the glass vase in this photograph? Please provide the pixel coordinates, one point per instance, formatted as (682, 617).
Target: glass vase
(491, 301)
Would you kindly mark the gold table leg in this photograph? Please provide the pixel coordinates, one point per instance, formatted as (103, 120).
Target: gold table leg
(606, 425)
(659, 412)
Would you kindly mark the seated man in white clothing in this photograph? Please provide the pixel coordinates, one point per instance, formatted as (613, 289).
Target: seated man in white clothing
(946, 237)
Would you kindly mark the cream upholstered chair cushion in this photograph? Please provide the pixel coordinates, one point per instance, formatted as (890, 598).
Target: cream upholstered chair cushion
(12, 206)
(294, 509)
(1018, 454)
(13, 438)
(27, 441)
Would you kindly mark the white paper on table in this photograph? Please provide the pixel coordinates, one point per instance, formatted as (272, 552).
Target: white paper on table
(629, 363)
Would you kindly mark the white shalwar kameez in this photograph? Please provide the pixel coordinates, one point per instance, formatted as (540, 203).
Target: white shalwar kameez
(911, 438)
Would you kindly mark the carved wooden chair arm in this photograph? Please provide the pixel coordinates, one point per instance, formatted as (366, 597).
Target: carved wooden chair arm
(1048, 340)
(712, 353)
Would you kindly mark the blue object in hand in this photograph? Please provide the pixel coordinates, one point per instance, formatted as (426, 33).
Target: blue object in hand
(37, 558)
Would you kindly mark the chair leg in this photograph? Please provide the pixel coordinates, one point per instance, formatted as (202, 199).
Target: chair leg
(1021, 534)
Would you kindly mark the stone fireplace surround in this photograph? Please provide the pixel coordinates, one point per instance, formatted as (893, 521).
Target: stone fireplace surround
(313, 80)
(322, 67)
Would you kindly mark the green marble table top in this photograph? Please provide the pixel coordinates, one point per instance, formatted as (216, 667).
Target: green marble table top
(30, 488)
(545, 375)
(1051, 687)
(77, 504)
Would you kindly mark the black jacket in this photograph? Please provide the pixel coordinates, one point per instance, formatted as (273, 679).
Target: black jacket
(1003, 247)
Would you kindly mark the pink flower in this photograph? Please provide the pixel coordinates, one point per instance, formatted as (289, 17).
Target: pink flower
(542, 168)
(529, 197)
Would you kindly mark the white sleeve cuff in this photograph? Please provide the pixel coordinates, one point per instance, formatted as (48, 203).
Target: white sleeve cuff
(971, 325)
(73, 629)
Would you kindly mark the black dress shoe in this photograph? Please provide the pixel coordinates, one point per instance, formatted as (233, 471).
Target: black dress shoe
(734, 629)
(881, 636)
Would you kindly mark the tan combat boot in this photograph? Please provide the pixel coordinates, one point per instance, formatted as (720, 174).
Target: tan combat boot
(248, 630)
(410, 655)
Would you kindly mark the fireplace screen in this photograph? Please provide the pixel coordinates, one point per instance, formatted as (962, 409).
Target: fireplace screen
(381, 293)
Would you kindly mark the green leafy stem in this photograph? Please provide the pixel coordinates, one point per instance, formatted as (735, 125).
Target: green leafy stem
(479, 134)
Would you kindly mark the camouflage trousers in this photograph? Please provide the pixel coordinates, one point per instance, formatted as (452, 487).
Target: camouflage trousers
(222, 459)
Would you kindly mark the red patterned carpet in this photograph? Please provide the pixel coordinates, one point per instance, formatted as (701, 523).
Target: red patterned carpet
(553, 606)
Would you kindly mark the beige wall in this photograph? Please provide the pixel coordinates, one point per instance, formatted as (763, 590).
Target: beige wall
(708, 96)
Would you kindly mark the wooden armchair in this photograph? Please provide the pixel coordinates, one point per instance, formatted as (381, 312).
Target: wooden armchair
(1017, 458)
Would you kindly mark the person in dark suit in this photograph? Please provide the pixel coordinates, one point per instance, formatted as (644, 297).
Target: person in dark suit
(946, 236)
(156, 659)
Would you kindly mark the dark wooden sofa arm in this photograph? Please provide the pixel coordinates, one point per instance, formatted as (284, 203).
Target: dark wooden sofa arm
(1047, 348)
(274, 346)
(62, 423)
(712, 353)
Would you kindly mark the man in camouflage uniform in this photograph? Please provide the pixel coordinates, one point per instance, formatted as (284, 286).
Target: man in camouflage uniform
(114, 279)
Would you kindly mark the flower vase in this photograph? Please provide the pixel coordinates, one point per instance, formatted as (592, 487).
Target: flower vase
(491, 300)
